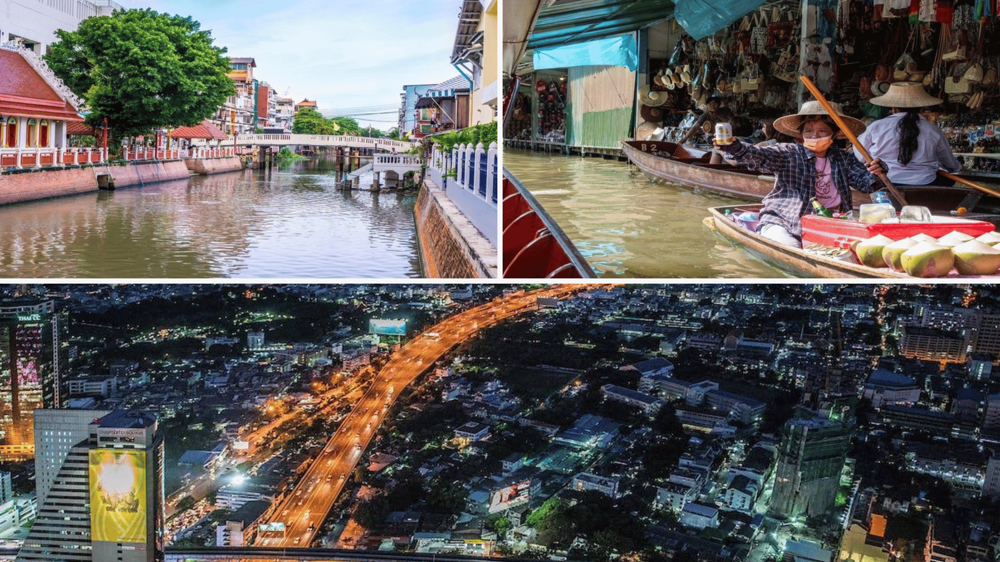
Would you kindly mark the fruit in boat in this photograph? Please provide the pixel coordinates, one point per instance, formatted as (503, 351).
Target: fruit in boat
(954, 238)
(976, 258)
(869, 251)
(928, 260)
(989, 238)
(893, 253)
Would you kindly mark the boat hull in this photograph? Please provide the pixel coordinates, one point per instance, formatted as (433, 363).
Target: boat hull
(793, 261)
(681, 170)
(534, 247)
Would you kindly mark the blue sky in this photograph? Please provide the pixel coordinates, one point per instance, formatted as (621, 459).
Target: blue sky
(342, 54)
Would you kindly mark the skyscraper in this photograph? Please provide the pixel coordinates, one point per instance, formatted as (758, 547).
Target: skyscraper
(810, 460)
(99, 483)
(31, 368)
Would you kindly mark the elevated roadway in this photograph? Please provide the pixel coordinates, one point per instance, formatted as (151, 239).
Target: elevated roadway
(305, 508)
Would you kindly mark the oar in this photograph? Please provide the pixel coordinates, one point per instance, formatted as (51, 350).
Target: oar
(850, 136)
(971, 184)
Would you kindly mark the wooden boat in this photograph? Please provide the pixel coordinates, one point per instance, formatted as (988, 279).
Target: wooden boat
(794, 261)
(534, 247)
(676, 164)
(669, 162)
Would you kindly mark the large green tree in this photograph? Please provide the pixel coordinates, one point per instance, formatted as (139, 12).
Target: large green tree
(308, 121)
(142, 70)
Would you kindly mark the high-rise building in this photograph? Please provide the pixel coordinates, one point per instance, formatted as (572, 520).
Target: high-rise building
(99, 484)
(991, 421)
(31, 369)
(810, 461)
(237, 115)
(35, 23)
(991, 483)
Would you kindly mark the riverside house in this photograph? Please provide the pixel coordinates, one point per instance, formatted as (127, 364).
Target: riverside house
(36, 109)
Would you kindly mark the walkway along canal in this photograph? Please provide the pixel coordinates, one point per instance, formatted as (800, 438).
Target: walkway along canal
(290, 221)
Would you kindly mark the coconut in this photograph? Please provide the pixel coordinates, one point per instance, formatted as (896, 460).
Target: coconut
(928, 260)
(923, 238)
(869, 251)
(975, 258)
(954, 238)
(892, 253)
(989, 238)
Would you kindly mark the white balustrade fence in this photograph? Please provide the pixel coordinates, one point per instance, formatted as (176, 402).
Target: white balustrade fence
(470, 175)
(49, 157)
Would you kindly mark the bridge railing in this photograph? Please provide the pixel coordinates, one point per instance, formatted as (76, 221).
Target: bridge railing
(470, 176)
(323, 140)
(399, 160)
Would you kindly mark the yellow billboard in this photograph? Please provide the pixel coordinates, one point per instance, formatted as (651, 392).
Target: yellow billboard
(118, 495)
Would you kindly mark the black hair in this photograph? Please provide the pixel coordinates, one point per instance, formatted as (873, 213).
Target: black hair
(909, 130)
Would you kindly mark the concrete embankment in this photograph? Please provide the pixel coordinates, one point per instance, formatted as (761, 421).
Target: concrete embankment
(206, 166)
(450, 246)
(31, 185)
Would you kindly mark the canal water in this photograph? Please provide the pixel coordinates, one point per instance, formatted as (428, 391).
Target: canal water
(627, 226)
(292, 221)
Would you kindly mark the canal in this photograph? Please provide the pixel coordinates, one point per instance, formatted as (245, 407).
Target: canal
(627, 226)
(290, 222)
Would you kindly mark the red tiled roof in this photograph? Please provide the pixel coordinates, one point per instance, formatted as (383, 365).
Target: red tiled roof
(204, 131)
(77, 128)
(23, 93)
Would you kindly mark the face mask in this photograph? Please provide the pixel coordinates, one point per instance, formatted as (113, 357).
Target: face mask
(818, 145)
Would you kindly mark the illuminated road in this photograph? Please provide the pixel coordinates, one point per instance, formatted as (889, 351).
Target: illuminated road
(305, 508)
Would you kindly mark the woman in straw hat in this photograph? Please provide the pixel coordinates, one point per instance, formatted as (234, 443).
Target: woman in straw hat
(803, 171)
(912, 147)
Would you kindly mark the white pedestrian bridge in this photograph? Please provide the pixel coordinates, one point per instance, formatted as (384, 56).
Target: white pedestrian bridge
(337, 141)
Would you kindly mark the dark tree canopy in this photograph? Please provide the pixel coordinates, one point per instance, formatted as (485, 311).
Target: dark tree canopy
(143, 70)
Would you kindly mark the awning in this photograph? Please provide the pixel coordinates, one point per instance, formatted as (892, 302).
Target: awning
(701, 18)
(578, 21)
(610, 51)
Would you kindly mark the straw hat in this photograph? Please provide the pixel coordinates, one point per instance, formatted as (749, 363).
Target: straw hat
(880, 87)
(650, 98)
(906, 94)
(649, 131)
(652, 114)
(789, 124)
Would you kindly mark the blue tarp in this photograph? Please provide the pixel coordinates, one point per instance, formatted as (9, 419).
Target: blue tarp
(701, 18)
(611, 51)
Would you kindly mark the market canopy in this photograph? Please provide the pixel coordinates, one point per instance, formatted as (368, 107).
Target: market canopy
(577, 21)
(206, 131)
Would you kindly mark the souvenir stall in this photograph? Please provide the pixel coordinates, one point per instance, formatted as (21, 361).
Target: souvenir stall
(952, 47)
(539, 117)
(852, 49)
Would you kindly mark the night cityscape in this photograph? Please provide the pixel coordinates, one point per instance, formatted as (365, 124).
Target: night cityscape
(460, 422)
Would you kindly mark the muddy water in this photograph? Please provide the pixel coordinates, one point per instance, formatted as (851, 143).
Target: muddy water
(627, 226)
(290, 222)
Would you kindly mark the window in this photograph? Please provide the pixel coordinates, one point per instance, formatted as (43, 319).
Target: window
(43, 133)
(32, 140)
(10, 141)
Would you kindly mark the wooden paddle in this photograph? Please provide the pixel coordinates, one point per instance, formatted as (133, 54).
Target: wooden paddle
(971, 184)
(850, 136)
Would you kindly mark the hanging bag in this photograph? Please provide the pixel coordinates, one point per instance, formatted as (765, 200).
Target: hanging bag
(758, 37)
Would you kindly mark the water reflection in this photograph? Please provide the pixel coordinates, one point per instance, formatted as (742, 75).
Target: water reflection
(291, 221)
(625, 225)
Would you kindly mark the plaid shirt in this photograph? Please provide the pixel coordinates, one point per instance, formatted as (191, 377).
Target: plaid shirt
(794, 166)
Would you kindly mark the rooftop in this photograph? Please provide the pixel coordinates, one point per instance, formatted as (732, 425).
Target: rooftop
(882, 377)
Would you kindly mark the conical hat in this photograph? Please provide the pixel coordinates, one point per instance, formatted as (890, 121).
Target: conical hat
(789, 124)
(906, 94)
